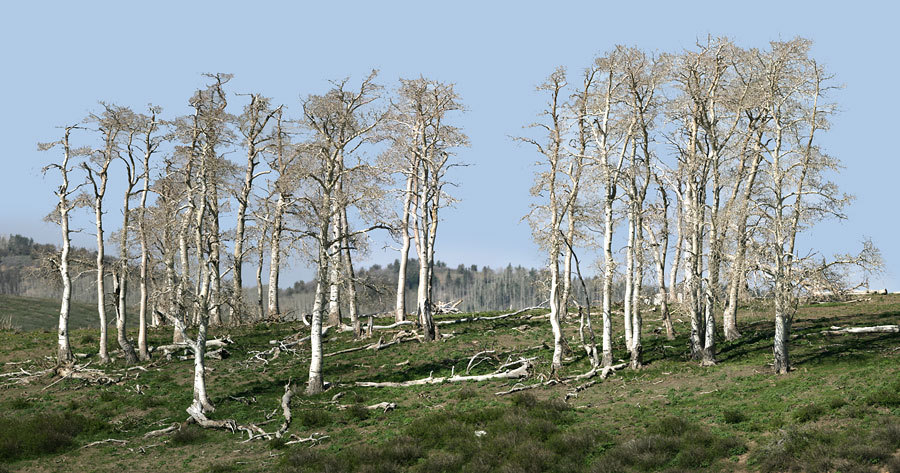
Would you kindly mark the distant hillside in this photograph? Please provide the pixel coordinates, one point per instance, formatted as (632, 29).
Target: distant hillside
(31, 313)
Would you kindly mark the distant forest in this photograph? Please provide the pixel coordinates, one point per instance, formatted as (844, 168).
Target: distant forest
(479, 288)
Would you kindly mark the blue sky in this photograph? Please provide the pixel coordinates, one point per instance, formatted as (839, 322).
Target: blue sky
(60, 58)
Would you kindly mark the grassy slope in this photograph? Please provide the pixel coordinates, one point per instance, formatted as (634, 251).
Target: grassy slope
(839, 409)
(29, 313)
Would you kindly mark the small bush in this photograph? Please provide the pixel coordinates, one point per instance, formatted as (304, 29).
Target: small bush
(88, 339)
(733, 416)
(19, 403)
(671, 426)
(108, 396)
(837, 403)
(467, 392)
(221, 468)
(357, 412)
(440, 460)
(808, 413)
(893, 465)
(313, 418)
(277, 443)
(857, 411)
(35, 435)
(890, 434)
(888, 396)
(188, 435)
(526, 400)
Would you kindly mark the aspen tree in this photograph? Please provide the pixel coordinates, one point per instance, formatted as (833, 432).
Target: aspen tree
(65, 193)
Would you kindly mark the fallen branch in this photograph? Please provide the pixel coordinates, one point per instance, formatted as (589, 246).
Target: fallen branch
(520, 372)
(520, 387)
(101, 442)
(873, 329)
(381, 406)
(157, 433)
(170, 349)
(492, 317)
(475, 356)
(286, 410)
(604, 372)
(578, 389)
(312, 438)
(377, 345)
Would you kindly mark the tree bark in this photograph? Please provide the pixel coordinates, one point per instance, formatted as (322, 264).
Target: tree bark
(400, 311)
(275, 257)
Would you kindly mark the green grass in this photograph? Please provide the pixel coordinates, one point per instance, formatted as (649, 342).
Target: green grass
(30, 313)
(839, 410)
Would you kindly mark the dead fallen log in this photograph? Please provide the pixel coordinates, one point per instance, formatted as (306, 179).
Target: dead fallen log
(873, 329)
(491, 317)
(101, 442)
(381, 406)
(157, 433)
(286, 410)
(446, 307)
(378, 345)
(349, 328)
(218, 354)
(523, 387)
(520, 372)
(170, 349)
(314, 438)
(604, 372)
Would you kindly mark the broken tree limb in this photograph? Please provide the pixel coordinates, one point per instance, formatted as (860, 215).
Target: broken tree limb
(312, 438)
(156, 433)
(377, 345)
(491, 317)
(604, 372)
(475, 356)
(101, 442)
(520, 372)
(381, 406)
(349, 328)
(873, 329)
(214, 343)
(286, 410)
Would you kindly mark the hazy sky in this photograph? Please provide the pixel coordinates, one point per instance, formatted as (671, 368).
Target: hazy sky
(60, 58)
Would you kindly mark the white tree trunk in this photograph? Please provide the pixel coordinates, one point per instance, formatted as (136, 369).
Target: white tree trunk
(637, 348)
(400, 311)
(609, 265)
(274, 310)
(63, 350)
(629, 280)
(334, 279)
(101, 287)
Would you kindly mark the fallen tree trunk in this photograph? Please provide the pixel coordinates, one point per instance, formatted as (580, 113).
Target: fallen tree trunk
(214, 343)
(873, 329)
(492, 317)
(377, 345)
(604, 372)
(520, 372)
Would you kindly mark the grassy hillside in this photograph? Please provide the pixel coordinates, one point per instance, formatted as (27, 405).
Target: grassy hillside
(29, 313)
(839, 410)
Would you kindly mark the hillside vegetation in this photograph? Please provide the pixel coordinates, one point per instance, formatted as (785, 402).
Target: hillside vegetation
(839, 410)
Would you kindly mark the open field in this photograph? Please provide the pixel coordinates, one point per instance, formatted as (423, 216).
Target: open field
(839, 410)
